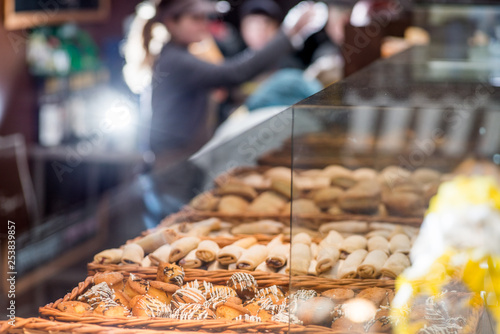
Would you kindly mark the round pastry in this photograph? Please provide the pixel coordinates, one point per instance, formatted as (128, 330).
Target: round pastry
(111, 310)
(122, 298)
(205, 287)
(147, 306)
(170, 273)
(301, 206)
(380, 323)
(316, 311)
(326, 197)
(205, 202)
(344, 325)
(230, 311)
(136, 286)
(339, 176)
(272, 291)
(113, 279)
(364, 197)
(378, 296)
(74, 306)
(96, 294)
(193, 312)
(219, 294)
(187, 296)
(232, 204)
(238, 189)
(161, 293)
(244, 284)
(425, 176)
(338, 295)
(404, 204)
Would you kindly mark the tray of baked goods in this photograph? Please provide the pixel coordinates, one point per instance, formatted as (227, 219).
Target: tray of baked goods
(394, 194)
(337, 250)
(172, 299)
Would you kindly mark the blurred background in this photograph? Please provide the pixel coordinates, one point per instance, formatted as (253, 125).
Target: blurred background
(72, 127)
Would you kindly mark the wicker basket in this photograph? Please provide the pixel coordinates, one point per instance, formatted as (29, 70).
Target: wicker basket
(51, 312)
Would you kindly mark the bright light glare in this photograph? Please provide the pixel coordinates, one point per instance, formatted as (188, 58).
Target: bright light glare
(119, 116)
(360, 15)
(359, 310)
(146, 10)
(223, 6)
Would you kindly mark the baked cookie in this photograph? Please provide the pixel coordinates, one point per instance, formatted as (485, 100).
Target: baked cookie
(339, 296)
(268, 202)
(232, 204)
(237, 189)
(363, 198)
(204, 202)
(326, 197)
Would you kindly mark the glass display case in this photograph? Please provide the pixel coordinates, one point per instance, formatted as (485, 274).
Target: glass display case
(324, 200)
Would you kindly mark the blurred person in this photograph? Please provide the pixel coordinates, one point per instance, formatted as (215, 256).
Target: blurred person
(283, 84)
(181, 84)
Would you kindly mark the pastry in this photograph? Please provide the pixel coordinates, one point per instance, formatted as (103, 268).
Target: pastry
(400, 243)
(204, 287)
(204, 227)
(302, 238)
(339, 296)
(363, 198)
(248, 241)
(378, 243)
(395, 265)
(113, 279)
(252, 257)
(268, 202)
(121, 298)
(170, 273)
(155, 240)
(229, 254)
(339, 176)
(285, 187)
(73, 306)
(244, 284)
(187, 296)
(256, 181)
(327, 257)
(425, 176)
(230, 311)
(352, 262)
(345, 227)
(301, 255)
(262, 226)
(353, 243)
(149, 307)
(278, 256)
(344, 325)
(190, 260)
(364, 174)
(182, 247)
(316, 311)
(113, 310)
(237, 189)
(326, 197)
(193, 312)
(405, 204)
(205, 202)
(279, 172)
(231, 204)
(161, 254)
(372, 264)
(132, 254)
(207, 250)
(378, 296)
(136, 286)
(301, 207)
(109, 256)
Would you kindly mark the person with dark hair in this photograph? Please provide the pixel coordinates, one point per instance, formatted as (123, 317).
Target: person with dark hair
(181, 83)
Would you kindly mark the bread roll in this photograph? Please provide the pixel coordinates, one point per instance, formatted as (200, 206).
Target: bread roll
(207, 250)
(252, 257)
(372, 264)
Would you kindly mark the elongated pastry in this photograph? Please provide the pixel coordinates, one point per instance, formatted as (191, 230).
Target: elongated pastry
(302, 238)
(207, 250)
(205, 202)
(328, 256)
(276, 241)
(314, 250)
(261, 226)
(395, 265)
(278, 256)
(326, 197)
(279, 172)
(352, 262)
(146, 262)
(301, 206)
(268, 202)
(265, 268)
(162, 254)
(345, 227)
(182, 247)
(245, 242)
(190, 260)
(353, 243)
(300, 259)
(361, 174)
(109, 256)
(379, 233)
(229, 254)
(215, 265)
(333, 238)
(339, 176)
(378, 242)
(252, 257)
(332, 273)
(372, 264)
(400, 243)
(132, 254)
(312, 268)
(155, 240)
(204, 227)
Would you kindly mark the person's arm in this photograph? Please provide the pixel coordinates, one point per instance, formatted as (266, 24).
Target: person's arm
(234, 71)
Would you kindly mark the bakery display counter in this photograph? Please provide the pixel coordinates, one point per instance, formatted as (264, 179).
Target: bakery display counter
(305, 223)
